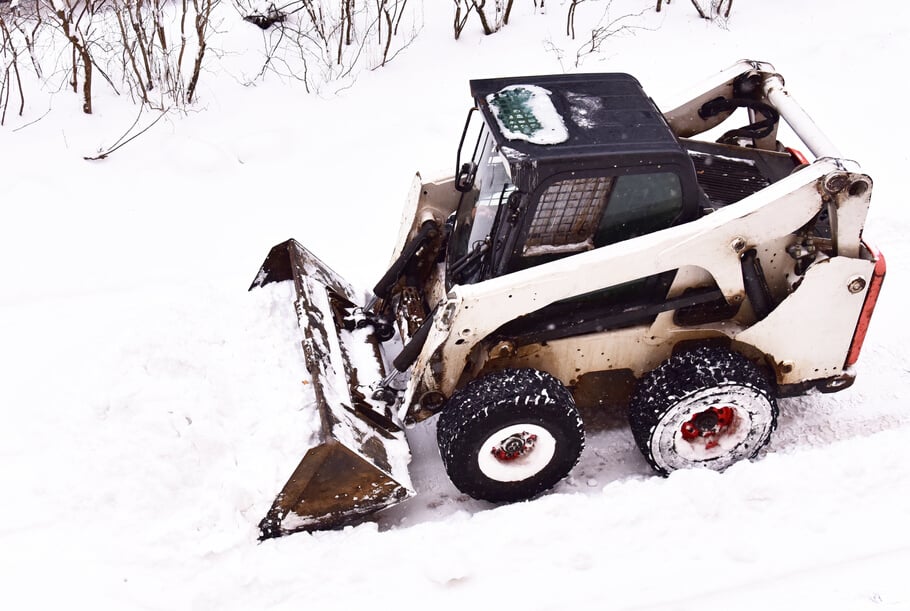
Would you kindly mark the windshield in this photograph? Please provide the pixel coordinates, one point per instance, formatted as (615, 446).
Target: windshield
(477, 210)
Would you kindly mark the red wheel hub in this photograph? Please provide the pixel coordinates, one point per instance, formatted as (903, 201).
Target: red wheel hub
(514, 446)
(710, 424)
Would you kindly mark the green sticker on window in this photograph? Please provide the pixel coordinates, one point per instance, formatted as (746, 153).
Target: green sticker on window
(513, 108)
(526, 112)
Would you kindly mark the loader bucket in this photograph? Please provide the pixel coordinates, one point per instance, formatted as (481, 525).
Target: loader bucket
(359, 461)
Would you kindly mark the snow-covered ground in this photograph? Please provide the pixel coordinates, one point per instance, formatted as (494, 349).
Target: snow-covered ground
(151, 406)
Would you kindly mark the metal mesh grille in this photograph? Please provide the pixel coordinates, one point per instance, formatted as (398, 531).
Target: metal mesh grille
(726, 180)
(568, 215)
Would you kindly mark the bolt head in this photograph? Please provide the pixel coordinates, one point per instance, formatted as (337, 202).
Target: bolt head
(856, 285)
(836, 183)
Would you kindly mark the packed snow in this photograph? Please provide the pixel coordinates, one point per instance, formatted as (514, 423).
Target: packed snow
(152, 407)
(537, 121)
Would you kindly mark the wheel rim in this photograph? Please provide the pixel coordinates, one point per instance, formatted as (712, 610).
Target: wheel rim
(712, 428)
(516, 452)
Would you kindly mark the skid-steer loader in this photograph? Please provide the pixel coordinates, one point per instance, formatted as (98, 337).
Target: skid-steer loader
(587, 252)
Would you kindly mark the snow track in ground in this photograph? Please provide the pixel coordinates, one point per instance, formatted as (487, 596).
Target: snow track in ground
(148, 444)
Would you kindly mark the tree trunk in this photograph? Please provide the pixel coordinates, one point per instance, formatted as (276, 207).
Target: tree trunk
(87, 81)
(487, 30)
(701, 13)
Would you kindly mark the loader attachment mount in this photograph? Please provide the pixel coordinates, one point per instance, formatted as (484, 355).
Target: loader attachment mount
(358, 463)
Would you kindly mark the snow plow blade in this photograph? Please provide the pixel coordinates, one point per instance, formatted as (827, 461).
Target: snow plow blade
(358, 464)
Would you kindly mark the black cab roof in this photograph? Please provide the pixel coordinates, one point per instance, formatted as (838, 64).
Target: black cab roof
(608, 121)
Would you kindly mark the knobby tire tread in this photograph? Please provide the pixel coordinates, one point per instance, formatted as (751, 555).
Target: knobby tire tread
(685, 373)
(498, 399)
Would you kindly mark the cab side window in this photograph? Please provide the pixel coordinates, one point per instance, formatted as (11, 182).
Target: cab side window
(567, 217)
(579, 214)
(639, 204)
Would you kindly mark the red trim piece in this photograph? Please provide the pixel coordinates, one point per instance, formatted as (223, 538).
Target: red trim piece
(724, 416)
(798, 156)
(862, 325)
(690, 430)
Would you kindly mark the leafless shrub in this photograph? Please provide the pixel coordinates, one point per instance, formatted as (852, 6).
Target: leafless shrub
(20, 26)
(319, 41)
(604, 27)
(714, 12)
(153, 48)
(156, 39)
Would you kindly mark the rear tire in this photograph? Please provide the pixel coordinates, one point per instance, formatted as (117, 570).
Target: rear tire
(510, 435)
(708, 407)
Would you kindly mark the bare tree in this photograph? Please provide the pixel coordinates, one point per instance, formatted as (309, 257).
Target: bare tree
(390, 13)
(75, 18)
(21, 26)
(570, 18)
(203, 10)
(9, 55)
(463, 10)
(493, 14)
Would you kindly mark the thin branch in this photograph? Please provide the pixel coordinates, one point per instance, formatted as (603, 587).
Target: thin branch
(30, 123)
(121, 142)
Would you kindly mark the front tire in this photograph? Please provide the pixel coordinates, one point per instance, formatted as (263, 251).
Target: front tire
(708, 407)
(510, 435)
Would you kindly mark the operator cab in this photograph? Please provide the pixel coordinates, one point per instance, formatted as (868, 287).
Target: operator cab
(563, 164)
